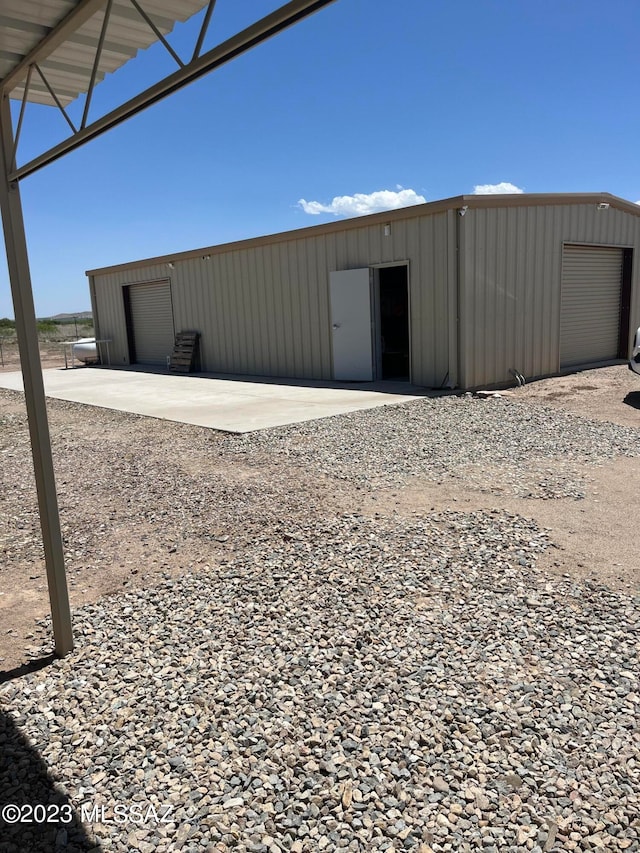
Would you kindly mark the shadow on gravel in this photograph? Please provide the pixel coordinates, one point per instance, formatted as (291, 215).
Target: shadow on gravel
(633, 399)
(26, 668)
(35, 817)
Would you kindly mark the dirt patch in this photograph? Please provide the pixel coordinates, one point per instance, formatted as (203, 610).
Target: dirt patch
(592, 538)
(603, 394)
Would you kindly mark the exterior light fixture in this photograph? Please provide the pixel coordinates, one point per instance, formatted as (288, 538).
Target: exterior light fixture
(463, 210)
(602, 206)
(387, 230)
(206, 257)
(171, 265)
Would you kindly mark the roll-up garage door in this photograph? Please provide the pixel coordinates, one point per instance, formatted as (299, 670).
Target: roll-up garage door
(152, 321)
(590, 309)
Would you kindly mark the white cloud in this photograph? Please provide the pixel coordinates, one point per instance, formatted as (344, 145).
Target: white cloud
(362, 203)
(491, 189)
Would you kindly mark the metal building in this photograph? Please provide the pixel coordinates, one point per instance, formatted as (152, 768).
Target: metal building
(461, 292)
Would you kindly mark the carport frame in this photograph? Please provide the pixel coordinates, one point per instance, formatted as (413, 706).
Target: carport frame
(16, 244)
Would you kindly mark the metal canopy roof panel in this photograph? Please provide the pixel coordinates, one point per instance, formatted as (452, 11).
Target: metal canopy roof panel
(68, 66)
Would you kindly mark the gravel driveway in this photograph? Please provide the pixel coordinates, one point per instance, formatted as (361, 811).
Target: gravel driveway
(296, 659)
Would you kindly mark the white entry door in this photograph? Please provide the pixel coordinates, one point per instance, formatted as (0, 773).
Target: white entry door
(351, 324)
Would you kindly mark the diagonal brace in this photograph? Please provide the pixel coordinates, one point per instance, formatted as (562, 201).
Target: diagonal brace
(203, 29)
(96, 62)
(156, 31)
(55, 98)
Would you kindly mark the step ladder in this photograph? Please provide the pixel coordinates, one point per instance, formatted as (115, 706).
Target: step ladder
(185, 351)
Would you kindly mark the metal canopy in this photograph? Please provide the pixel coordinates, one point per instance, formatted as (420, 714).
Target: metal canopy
(27, 30)
(28, 70)
(52, 51)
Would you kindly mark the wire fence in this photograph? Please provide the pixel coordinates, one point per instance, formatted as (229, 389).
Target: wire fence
(50, 338)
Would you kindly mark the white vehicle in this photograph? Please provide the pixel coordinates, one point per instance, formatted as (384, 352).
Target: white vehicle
(634, 361)
(85, 350)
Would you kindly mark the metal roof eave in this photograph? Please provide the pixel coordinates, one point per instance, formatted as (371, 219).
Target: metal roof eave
(57, 32)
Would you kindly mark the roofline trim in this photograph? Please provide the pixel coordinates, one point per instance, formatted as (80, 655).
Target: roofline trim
(386, 216)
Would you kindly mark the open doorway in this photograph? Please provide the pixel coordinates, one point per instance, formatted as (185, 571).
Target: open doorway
(393, 302)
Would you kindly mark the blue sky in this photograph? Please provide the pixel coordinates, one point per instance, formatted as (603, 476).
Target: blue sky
(366, 103)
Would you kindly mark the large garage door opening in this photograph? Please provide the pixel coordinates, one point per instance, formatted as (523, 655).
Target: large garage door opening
(591, 305)
(394, 322)
(150, 322)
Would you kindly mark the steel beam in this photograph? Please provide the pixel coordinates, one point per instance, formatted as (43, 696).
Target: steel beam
(243, 41)
(26, 327)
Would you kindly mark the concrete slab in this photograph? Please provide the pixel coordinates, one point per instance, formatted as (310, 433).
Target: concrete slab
(229, 403)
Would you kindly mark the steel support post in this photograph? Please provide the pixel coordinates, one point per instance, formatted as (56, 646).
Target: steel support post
(26, 327)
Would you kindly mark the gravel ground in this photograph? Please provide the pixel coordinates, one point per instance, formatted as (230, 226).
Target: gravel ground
(533, 451)
(333, 681)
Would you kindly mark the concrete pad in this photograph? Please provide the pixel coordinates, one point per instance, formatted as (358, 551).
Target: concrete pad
(228, 403)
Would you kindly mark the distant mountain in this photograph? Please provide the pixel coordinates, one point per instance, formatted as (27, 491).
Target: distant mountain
(81, 315)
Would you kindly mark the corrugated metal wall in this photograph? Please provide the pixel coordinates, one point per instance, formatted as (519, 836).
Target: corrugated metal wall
(264, 310)
(510, 284)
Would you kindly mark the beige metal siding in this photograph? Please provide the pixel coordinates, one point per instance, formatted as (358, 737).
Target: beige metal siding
(510, 284)
(591, 299)
(264, 310)
(152, 321)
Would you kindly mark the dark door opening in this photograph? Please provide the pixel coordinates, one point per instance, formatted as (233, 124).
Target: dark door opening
(131, 344)
(394, 322)
(625, 303)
